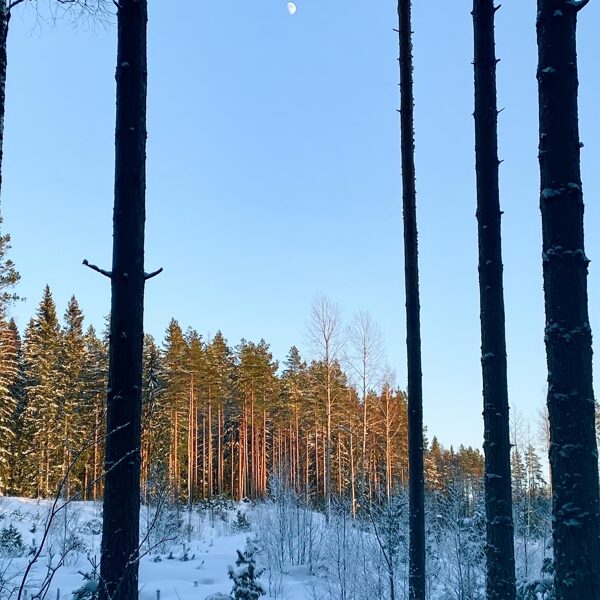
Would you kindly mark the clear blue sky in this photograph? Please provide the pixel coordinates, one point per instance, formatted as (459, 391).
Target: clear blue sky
(273, 175)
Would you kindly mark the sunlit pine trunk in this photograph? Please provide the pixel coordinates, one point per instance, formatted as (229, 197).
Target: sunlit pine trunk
(352, 476)
(219, 451)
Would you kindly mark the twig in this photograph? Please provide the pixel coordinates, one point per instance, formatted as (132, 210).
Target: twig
(54, 510)
(152, 274)
(97, 269)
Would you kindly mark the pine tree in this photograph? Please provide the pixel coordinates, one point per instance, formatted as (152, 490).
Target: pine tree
(293, 395)
(500, 563)
(176, 381)
(257, 386)
(573, 450)
(119, 565)
(245, 577)
(95, 380)
(217, 383)
(413, 324)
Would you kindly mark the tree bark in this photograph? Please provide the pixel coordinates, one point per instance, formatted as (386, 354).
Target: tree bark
(413, 325)
(4, 20)
(500, 562)
(120, 531)
(573, 452)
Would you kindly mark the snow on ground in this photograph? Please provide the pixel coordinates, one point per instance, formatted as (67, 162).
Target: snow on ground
(180, 570)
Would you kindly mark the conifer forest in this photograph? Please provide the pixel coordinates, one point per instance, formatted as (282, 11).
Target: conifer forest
(210, 466)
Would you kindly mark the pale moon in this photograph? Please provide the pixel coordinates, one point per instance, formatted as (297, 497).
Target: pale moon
(292, 8)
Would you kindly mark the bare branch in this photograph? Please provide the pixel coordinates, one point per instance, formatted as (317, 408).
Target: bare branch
(97, 269)
(152, 274)
(14, 3)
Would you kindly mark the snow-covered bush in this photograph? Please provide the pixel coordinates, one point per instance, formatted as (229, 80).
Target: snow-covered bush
(64, 540)
(162, 520)
(246, 574)
(89, 588)
(459, 548)
(241, 523)
(541, 588)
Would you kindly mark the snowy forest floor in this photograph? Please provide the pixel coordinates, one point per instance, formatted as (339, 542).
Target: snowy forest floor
(185, 554)
(192, 567)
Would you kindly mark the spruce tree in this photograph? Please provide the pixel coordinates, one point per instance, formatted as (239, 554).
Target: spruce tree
(155, 414)
(568, 336)
(176, 380)
(9, 368)
(17, 448)
(245, 577)
(10, 378)
(44, 388)
(72, 409)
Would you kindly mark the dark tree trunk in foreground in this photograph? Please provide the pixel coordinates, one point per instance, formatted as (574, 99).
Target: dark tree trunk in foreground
(500, 559)
(4, 20)
(573, 454)
(413, 325)
(120, 532)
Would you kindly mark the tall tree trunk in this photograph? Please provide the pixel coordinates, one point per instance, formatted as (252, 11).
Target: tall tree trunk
(264, 455)
(500, 561)
(219, 451)
(327, 458)
(413, 325)
(210, 448)
(573, 453)
(191, 445)
(306, 470)
(352, 477)
(120, 531)
(4, 20)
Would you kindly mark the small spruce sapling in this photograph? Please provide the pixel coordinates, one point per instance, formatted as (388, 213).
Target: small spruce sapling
(245, 576)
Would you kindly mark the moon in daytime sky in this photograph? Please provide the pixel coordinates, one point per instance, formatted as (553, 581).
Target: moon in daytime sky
(292, 8)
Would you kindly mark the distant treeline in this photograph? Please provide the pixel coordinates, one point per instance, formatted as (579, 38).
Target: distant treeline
(217, 420)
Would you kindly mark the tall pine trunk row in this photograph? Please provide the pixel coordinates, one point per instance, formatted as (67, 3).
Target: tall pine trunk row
(571, 409)
(500, 560)
(416, 485)
(120, 532)
(4, 21)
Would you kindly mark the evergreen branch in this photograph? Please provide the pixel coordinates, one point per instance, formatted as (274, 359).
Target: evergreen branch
(152, 274)
(97, 269)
